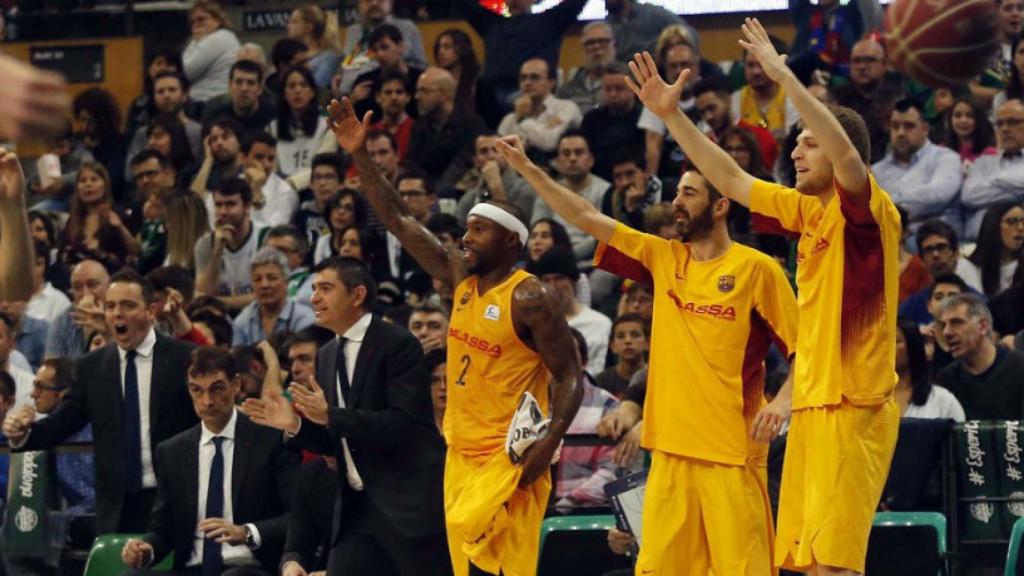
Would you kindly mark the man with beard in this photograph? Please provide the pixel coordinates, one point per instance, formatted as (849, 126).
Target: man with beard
(170, 94)
(222, 156)
(720, 302)
(507, 341)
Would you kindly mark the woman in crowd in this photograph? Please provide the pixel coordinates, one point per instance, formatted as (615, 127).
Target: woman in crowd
(969, 131)
(998, 251)
(308, 24)
(98, 126)
(743, 147)
(210, 52)
(453, 51)
(95, 230)
(343, 210)
(167, 136)
(545, 234)
(916, 395)
(186, 221)
(300, 130)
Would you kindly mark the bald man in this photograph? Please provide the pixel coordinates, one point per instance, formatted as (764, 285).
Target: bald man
(69, 334)
(871, 92)
(441, 144)
(538, 117)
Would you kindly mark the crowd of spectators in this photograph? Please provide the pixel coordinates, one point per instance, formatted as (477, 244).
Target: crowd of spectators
(195, 217)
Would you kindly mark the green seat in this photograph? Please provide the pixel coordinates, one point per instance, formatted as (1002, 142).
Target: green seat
(105, 556)
(900, 549)
(577, 545)
(560, 523)
(1013, 554)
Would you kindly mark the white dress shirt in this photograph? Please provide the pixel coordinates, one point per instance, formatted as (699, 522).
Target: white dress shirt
(990, 179)
(353, 343)
(544, 131)
(144, 372)
(233, 555)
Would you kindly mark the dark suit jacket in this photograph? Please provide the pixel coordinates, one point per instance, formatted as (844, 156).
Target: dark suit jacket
(389, 426)
(96, 399)
(311, 516)
(261, 483)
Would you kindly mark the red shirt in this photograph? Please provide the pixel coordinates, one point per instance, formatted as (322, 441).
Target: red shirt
(401, 135)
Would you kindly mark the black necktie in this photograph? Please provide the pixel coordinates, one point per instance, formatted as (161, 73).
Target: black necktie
(342, 368)
(132, 426)
(213, 561)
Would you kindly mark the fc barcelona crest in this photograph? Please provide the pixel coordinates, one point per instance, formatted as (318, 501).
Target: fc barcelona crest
(726, 283)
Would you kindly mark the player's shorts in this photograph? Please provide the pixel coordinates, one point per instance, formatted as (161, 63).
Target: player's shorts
(490, 520)
(837, 462)
(704, 518)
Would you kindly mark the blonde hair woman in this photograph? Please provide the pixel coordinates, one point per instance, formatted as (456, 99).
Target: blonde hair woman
(210, 52)
(319, 32)
(186, 221)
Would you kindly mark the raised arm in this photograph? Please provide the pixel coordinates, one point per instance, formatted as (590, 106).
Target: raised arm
(850, 169)
(663, 100)
(428, 251)
(16, 253)
(536, 316)
(564, 202)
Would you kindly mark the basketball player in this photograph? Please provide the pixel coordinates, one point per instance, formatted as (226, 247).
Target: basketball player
(717, 305)
(506, 337)
(844, 418)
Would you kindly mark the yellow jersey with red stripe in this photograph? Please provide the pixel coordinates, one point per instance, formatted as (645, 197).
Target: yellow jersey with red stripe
(488, 368)
(713, 323)
(848, 286)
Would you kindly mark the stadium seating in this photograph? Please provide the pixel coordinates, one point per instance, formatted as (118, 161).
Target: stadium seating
(907, 544)
(578, 545)
(105, 556)
(1013, 553)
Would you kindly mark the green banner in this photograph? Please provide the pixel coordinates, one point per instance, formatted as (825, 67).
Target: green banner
(1011, 471)
(31, 495)
(977, 459)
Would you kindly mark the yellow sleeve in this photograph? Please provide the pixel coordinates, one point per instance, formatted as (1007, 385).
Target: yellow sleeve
(779, 202)
(775, 302)
(637, 245)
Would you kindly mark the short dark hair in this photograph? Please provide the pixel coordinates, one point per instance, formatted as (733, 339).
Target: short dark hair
(130, 276)
(936, 227)
(382, 31)
(378, 133)
(175, 277)
(210, 304)
(631, 317)
(435, 358)
(907, 104)
(284, 51)
(573, 133)
(246, 66)
(310, 335)
(218, 325)
(711, 84)
(150, 154)
(615, 68)
(235, 187)
(7, 385)
(227, 124)
(442, 223)
(713, 194)
(290, 231)
(208, 360)
(352, 273)
(393, 76)
(855, 128)
(629, 154)
(177, 75)
(416, 174)
(253, 137)
(949, 278)
(332, 159)
(63, 372)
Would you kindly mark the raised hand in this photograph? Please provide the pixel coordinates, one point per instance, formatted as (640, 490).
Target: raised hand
(35, 102)
(12, 179)
(511, 149)
(310, 400)
(756, 42)
(657, 96)
(348, 130)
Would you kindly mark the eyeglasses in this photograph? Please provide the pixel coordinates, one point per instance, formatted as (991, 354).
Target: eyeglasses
(597, 42)
(1009, 122)
(1013, 222)
(936, 249)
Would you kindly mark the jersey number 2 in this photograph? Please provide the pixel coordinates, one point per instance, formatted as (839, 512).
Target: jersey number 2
(465, 367)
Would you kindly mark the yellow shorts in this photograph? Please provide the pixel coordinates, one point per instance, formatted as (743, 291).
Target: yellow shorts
(704, 518)
(490, 520)
(837, 462)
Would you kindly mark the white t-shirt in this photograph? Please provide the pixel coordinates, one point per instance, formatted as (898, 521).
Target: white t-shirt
(969, 273)
(48, 304)
(1006, 272)
(280, 202)
(941, 404)
(297, 154)
(596, 329)
(235, 276)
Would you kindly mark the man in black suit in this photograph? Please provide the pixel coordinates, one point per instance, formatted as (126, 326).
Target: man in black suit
(133, 392)
(310, 517)
(226, 479)
(374, 414)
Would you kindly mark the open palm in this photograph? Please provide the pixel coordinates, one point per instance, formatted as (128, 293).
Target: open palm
(348, 130)
(657, 96)
(757, 42)
(12, 180)
(272, 410)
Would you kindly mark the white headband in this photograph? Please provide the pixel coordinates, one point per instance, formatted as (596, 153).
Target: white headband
(502, 217)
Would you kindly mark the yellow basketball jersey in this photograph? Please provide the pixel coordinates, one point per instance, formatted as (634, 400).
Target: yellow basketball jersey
(489, 368)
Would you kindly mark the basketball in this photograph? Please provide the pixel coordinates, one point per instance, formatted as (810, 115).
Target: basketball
(941, 43)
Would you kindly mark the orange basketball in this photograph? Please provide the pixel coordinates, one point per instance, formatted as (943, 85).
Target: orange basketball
(941, 43)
